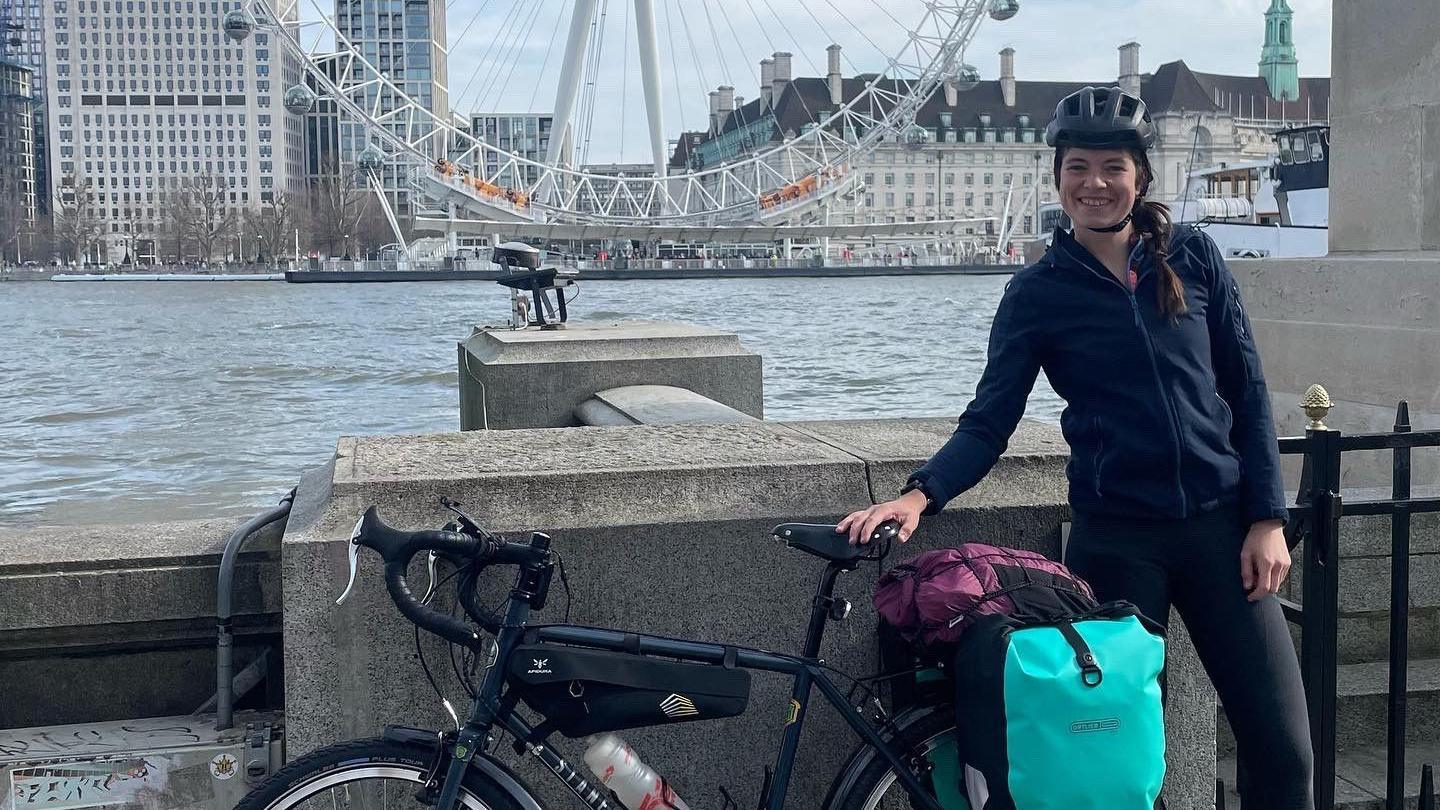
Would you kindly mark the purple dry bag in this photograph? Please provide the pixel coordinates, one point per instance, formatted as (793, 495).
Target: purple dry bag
(935, 596)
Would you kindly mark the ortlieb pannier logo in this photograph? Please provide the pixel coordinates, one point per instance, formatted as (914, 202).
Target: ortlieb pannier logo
(1088, 726)
(539, 666)
(677, 706)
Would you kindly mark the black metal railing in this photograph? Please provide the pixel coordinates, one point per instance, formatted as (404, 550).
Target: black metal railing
(1315, 522)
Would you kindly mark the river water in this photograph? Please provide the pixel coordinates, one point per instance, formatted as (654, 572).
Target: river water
(139, 401)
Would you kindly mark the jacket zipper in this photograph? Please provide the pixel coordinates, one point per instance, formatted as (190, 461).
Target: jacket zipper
(1099, 457)
(1154, 369)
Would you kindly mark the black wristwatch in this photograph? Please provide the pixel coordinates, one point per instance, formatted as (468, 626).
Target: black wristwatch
(914, 484)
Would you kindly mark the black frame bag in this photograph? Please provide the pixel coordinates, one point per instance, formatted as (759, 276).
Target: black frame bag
(581, 691)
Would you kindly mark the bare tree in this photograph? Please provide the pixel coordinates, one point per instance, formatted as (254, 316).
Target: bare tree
(337, 206)
(75, 222)
(272, 226)
(197, 212)
(12, 224)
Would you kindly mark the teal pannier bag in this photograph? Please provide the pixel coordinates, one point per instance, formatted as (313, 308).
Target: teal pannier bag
(1064, 714)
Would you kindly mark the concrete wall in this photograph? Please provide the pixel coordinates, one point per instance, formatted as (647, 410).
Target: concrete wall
(664, 530)
(117, 622)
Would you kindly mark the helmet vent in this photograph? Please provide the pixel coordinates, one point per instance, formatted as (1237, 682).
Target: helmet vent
(1127, 107)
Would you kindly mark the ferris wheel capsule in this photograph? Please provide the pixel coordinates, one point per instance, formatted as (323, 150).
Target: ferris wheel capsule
(299, 99)
(916, 136)
(1001, 10)
(371, 159)
(966, 77)
(238, 24)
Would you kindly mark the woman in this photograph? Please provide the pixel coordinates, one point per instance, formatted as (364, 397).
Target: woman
(1174, 469)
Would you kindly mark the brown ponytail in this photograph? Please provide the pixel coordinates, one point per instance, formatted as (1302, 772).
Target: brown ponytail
(1152, 222)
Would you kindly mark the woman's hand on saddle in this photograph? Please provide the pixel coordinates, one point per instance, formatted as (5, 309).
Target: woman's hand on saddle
(1264, 560)
(905, 510)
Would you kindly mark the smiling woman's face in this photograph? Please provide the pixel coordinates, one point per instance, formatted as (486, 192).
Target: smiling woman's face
(1098, 187)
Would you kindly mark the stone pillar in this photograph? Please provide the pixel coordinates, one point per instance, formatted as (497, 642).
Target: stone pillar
(532, 378)
(1364, 321)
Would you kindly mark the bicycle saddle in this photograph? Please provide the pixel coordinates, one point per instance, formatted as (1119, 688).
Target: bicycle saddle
(821, 540)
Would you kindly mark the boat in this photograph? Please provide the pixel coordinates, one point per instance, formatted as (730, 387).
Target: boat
(1275, 208)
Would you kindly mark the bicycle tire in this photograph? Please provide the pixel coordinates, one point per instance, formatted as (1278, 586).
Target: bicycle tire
(877, 782)
(349, 763)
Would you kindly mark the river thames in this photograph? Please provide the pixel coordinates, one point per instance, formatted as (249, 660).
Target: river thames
(139, 401)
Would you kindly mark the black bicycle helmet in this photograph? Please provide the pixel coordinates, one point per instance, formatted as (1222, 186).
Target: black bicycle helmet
(1101, 118)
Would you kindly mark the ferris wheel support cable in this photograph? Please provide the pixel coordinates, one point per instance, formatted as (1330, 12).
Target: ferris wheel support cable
(624, 85)
(549, 49)
(569, 85)
(715, 43)
(491, 51)
(592, 72)
(821, 25)
(675, 67)
(764, 31)
(499, 87)
(488, 63)
(740, 49)
(694, 51)
(804, 54)
(473, 17)
(649, 52)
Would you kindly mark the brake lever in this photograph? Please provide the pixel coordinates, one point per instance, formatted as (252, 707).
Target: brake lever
(430, 569)
(354, 560)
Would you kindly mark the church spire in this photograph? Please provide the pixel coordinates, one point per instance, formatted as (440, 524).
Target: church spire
(1278, 65)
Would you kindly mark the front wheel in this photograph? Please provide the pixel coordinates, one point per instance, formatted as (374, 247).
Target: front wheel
(373, 774)
(927, 746)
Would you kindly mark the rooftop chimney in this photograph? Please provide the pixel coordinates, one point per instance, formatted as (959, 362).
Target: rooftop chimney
(952, 93)
(782, 75)
(832, 75)
(714, 111)
(724, 106)
(767, 79)
(1130, 68)
(1007, 76)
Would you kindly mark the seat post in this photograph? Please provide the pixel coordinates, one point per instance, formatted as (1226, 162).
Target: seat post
(820, 607)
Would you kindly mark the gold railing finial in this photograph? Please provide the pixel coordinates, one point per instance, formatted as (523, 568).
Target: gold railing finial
(1316, 404)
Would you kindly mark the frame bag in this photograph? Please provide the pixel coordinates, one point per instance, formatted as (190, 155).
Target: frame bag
(580, 691)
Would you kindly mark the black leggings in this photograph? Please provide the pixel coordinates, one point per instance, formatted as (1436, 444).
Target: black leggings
(1245, 646)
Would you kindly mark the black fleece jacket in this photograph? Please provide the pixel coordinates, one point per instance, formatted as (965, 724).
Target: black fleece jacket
(1166, 418)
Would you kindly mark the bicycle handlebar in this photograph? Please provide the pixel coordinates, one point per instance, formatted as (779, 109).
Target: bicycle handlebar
(399, 547)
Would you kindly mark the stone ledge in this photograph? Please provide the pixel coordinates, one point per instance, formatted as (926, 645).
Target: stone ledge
(108, 577)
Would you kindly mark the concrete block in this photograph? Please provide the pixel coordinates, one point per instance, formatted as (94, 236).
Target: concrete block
(534, 379)
(1365, 637)
(1363, 289)
(1384, 56)
(1366, 215)
(1369, 364)
(1365, 583)
(664, 530)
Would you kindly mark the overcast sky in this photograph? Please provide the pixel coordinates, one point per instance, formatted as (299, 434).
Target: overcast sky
(506, 54)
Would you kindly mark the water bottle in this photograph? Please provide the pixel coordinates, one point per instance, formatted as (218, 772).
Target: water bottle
(636, 784)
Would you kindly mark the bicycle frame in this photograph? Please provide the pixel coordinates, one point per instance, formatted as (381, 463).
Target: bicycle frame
(487, 710)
